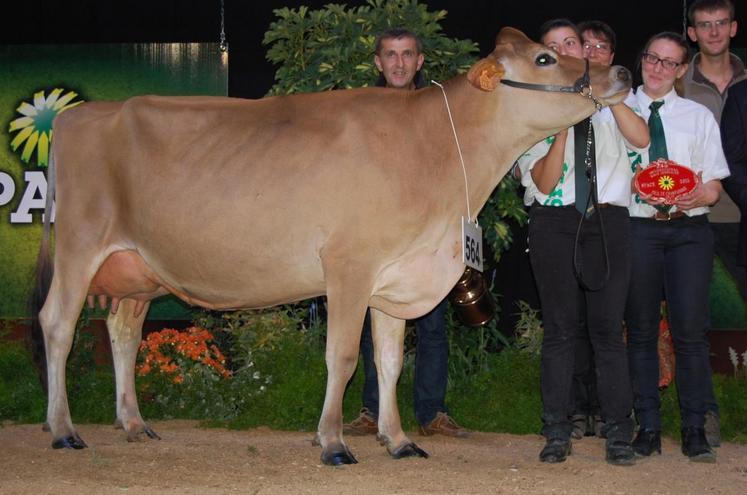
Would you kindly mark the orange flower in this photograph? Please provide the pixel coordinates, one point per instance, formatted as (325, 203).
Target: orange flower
(174, 352)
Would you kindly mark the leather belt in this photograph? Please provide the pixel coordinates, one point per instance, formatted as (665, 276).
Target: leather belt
(599, 205)
(667, 216)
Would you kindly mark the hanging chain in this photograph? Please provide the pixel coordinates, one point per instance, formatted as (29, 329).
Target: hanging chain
(587, 159)
(222, 46)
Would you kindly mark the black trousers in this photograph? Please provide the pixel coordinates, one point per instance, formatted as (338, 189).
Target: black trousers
(675, 257)
(552, 235)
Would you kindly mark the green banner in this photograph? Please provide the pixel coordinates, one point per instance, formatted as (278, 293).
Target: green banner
(40, 81)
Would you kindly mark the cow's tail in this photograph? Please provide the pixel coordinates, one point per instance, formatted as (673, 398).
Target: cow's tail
(43, 276)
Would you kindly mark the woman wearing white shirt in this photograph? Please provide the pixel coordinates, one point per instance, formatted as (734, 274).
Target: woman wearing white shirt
(548, 173)
(672, 252)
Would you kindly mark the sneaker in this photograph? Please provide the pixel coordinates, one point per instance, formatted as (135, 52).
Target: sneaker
(713, 429)
(443, 424)
(364, 424)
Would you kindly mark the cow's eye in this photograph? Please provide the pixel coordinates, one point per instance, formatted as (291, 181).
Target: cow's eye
(544, 59)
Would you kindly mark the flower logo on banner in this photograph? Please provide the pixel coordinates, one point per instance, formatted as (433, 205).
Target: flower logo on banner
(34, 127)
(666, 182)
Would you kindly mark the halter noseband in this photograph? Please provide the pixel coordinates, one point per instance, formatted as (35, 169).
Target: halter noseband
(582, 86)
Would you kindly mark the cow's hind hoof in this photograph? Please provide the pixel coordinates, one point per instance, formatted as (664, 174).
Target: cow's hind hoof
(151, 434)
(316, 441)
(409, 450)
(339, 458)
(71, 442)
(138, 435)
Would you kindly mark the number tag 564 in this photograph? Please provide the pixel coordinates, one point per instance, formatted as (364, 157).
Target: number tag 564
(472, 244)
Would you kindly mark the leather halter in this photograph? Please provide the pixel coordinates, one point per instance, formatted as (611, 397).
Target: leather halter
(582, 86)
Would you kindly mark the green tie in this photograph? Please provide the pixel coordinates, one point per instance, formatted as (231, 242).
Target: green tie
(658, 148)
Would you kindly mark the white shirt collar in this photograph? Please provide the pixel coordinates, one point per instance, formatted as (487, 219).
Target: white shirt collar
(645, 100)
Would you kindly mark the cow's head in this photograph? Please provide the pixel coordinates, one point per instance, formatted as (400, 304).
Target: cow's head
(542, 79)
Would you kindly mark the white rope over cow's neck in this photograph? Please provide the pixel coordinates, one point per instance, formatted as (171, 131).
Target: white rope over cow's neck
(459, 149)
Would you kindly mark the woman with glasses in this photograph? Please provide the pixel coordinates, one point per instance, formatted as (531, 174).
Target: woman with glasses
(599, 42)
(672, 251)
(549, 173)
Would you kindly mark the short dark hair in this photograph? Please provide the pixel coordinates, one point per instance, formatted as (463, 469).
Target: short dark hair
(675, 38)
(709, 6)
(397, 33)
(548, 26)
(600, 29)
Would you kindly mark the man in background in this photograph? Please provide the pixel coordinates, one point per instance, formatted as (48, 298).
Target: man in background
(399, 57)
(710, 75)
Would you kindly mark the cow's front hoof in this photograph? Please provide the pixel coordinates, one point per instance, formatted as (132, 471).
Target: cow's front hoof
(338, 458)
(71, 442)
(409, 450)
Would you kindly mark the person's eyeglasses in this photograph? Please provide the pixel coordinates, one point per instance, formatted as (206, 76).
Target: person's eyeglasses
(707, 25)
(652, 59)
(600, 47)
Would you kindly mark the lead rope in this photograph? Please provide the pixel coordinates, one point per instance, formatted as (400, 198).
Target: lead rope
(459, 149)
(591, 173)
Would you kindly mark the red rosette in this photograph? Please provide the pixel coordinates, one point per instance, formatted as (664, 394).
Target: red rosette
(665, 179)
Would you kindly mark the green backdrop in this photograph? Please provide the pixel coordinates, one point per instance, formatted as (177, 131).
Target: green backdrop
(30, 75)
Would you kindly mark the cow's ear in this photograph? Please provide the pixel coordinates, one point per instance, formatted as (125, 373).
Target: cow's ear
(485, 74)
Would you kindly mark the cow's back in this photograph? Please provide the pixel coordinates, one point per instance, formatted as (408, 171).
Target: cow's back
(227, 196)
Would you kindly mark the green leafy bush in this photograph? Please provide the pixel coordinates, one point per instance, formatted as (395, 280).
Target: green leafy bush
(529, 329)
(470, 348)
(731, 396)
(504, 398)
(21, 395)
(294, 399)
(333, 47)
(183, 374)
(728, 309)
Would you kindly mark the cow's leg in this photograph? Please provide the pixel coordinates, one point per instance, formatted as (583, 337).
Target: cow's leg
(58, 317)
(389, 338)
(125, 332)
(346, 308)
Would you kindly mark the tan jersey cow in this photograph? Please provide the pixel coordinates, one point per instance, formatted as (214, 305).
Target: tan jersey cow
(230, 203)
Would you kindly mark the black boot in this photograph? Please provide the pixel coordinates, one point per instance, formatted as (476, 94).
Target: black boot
(556, 450)
(647, 442)
(695, 446)
(620, 452)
